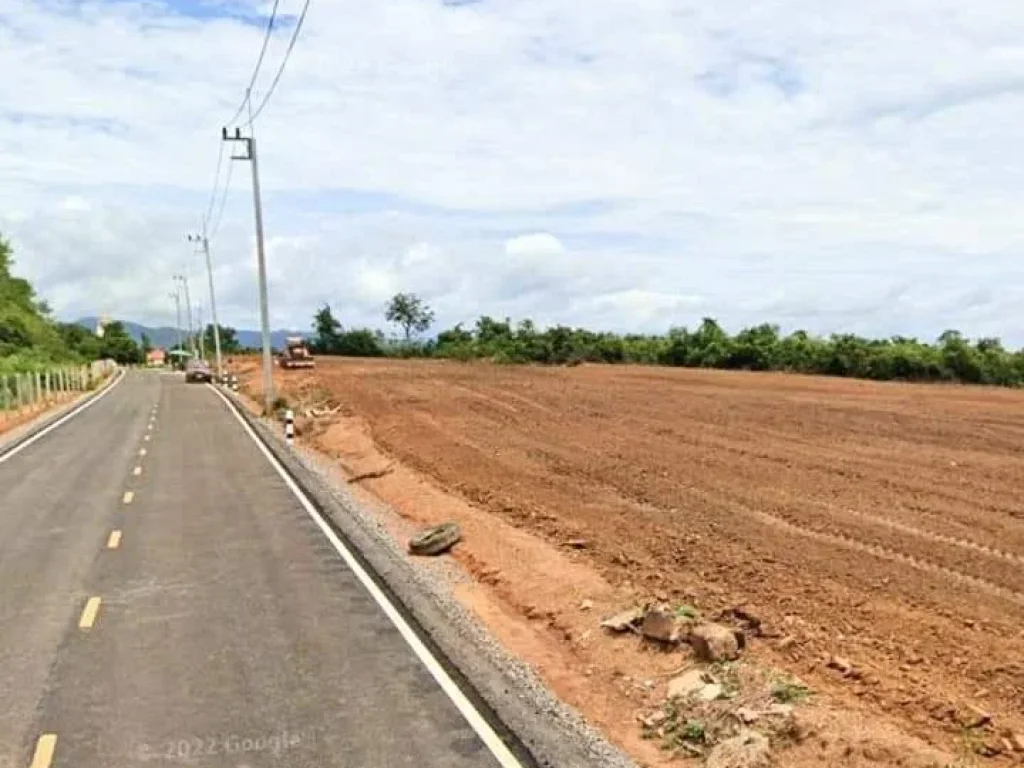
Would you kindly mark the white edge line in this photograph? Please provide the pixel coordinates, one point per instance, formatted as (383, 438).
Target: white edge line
(476, 721)
(66, 417)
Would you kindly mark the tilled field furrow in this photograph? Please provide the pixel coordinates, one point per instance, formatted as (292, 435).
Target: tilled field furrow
(883, 523)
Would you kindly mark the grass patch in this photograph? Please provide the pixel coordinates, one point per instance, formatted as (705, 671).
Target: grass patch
(789, 691)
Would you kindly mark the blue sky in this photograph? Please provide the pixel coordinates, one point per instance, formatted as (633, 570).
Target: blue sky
(838, 167)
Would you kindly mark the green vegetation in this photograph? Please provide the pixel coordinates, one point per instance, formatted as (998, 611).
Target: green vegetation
(789, 691)
(410, 313)
(329, 338)
(31, 340)
(228, 339)
(951, 358)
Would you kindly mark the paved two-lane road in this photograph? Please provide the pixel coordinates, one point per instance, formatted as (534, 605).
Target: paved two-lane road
(165, 599)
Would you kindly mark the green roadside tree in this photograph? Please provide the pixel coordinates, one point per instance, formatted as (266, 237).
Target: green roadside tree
(410, 313)
(326, 331)
(118, 345)
(228, 339)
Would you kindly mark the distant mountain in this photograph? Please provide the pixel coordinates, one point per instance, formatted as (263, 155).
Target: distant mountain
(168, 337)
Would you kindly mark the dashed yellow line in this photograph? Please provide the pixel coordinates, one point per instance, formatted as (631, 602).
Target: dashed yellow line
(146, 438)
(92, 607)
(114, 539)
(45, 747)
(129, 497)
(137, 471)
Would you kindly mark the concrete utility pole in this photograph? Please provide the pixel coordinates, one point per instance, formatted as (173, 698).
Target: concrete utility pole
(188, 313)
(205, 242)
(202, 331)
(249, 143)
(177, 308)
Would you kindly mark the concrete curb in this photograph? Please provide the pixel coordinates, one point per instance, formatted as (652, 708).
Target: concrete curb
(539, 729)
(10, 441)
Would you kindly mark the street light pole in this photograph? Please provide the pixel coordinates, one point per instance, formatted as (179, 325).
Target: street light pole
(205, 242)
(249, 142)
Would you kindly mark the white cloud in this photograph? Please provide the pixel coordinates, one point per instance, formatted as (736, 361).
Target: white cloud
(535, 247)
(837, 166)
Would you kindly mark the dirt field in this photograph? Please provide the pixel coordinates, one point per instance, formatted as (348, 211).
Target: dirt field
(880, 523)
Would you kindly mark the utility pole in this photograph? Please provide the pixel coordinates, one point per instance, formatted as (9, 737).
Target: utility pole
(202, 331)
(205, 242)
(249, 144)
(177, 308)
(188, 313)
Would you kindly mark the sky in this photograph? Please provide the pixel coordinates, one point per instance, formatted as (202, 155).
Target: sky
(625, 165)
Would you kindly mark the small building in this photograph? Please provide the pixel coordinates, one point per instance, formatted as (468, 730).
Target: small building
(156, 357)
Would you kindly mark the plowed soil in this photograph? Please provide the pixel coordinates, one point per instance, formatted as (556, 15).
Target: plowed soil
(880, 523)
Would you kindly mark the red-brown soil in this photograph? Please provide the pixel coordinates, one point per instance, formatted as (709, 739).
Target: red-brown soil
(881, 523)
(10, 420)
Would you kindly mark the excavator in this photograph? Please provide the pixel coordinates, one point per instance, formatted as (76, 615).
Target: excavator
(295, 354)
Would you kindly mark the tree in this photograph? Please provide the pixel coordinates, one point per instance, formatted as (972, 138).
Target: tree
(228, 339)
(118, 345)
(145, 344)
(410, 312)
(326, 331)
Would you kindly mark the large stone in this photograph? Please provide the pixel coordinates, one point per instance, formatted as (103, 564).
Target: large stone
(711, 692)
(748, 749)
(436, 540)
(713, 642)
(625, 621)
(663, 625)
(692, 681)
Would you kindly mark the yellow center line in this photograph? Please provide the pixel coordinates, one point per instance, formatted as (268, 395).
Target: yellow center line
(114, 540)
(129, 496)
(142, 452)
(146, 438)
(137, 471)
(43, 755)
(92, 607)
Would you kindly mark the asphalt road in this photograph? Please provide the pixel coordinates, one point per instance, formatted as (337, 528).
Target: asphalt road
(165, 599)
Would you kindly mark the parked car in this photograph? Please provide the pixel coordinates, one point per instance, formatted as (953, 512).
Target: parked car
(198, 370)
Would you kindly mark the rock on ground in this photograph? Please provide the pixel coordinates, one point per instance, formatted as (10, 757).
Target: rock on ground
(713, 642)
(622, 622)
(688, 683)
(748, 749)
(436, 539)
(663, 625)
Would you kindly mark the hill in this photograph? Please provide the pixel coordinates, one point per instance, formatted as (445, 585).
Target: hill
(164, 336)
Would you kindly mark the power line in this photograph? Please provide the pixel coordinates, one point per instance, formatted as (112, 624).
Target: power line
(280, 71)
(223, 200)
(259, 64)
(213, 191)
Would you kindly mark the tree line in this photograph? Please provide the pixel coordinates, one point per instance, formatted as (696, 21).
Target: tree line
(952, 357)
(31, 339)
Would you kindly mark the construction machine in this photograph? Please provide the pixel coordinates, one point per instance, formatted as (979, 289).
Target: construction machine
(296, 354)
